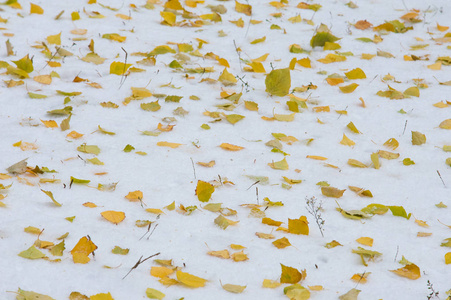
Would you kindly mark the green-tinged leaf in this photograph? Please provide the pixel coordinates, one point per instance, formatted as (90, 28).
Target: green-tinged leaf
(25, 64)
(68, 94)
(279, 165)
(128, 148)
(330, 191)
(399, 211)
(161, 50)
(32, 253)
(119, 68)
(234, 118)
(61, 112)
(446, 243)
(213, 207)
(58, 249)
(233, 288)
(407, 162)
(296, 292)
(119, 250)
(154, 294)
(375, 209)
(173, 98)
(320, 39)
(278, 82)
(29, 295)
(50, 194)
(350, 295)
(79, 181)
(95, 161)
(90, 149)
(36, 96)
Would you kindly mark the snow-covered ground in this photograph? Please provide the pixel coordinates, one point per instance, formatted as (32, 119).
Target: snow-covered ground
(65, 42)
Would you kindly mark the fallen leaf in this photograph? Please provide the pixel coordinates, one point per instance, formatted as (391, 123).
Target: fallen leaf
(29, 295)
(233, 288)
(329, 191)
(290, 275)
(168, 144)
(82, 249)
(281, 243)
(278, 82)
(230, 147)
(190, 280)
(204, 190)
(114, 217)
(410, 271)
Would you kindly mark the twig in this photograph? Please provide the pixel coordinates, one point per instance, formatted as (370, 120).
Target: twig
(360, 279)
(405, 125)
(253, 184)
(441, 178)
(148, 229)
(140, 262)
(194, 169)
(397, 250)
(53, 56)
(124, 77)
(256, 193)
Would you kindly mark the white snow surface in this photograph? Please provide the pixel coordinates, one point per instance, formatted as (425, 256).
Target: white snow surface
(165, 175)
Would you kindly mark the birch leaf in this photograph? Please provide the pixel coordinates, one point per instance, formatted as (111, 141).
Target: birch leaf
(29, 295)
(356, 163)
(190, 280)
(410, 271)
(445, 124)
(233, 288)
(204, 190)
(279, 165)
(278, 82)
(119, 68)
(32, 253)
(329, 191)
(418, 138)
(281, 243)
(347, 141)
(230, 147)
(350, 295)
(298, 226)
(82, 249)
(50, 194)
(356, 73)
(114, 217)
(290, 275)
(154, 294)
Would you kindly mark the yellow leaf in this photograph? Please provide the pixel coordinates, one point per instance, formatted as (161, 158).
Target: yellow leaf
(334, 80)
(331, 58)
(207, 165)
(391, 143)
(114, 37)
(222, 254)
(257, 67)
(266, 236)
(367, 56)
(114, 217)
(227, 78)
(271, 222)
(32, 230)
(305, 62)
(387, 155)
(119, 68)
(329, 191)
(190, 280)
(204, 190)
(50, 194)
(260, 40)
(360, 278)
(298, 226)
(140, 93)
(279, 165)
(123, 17)
(82, 249)
(161, 272)
(278, 82)
(421, 223)
(54, 39)
(239, 256)
(243, 8)
(423, 234)
(250, 105)
(436, 66)
(442, 28)
(321, 109)
(284, 118)
(281, 243)
(367, 241)
(375, 160)
(270, 284)
(290, 181)
(168, 17)
(440, 104)
(168, 144)
(448, 258)
(290, 275)
(230, 147)
(74, 135)
(352, 127)
(101, 296)
(36, 9)
(445, 124)
(154, 211)
(238, 23)
(347, 141)
(418, 138)
(89, 204)
(154, 294)
(410, 271)
(50, 124)
(233, 288)
(356, 74)
(356, 163)
(348, 88)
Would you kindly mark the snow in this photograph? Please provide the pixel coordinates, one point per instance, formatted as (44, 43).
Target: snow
(165, 175)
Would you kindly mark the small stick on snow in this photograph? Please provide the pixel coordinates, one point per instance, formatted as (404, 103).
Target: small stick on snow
(140, 262)
(441, 178)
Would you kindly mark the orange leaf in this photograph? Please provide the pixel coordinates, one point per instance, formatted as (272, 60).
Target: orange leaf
(168, 144)
(74, 135)
(82, 249)
(50, 124)
(230, 147)
(165, 128)
(113, 216)
(134, 196)
(410, 271)
(362, 24)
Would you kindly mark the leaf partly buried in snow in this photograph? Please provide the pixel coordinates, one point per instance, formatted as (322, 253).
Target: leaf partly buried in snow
(410, 271)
